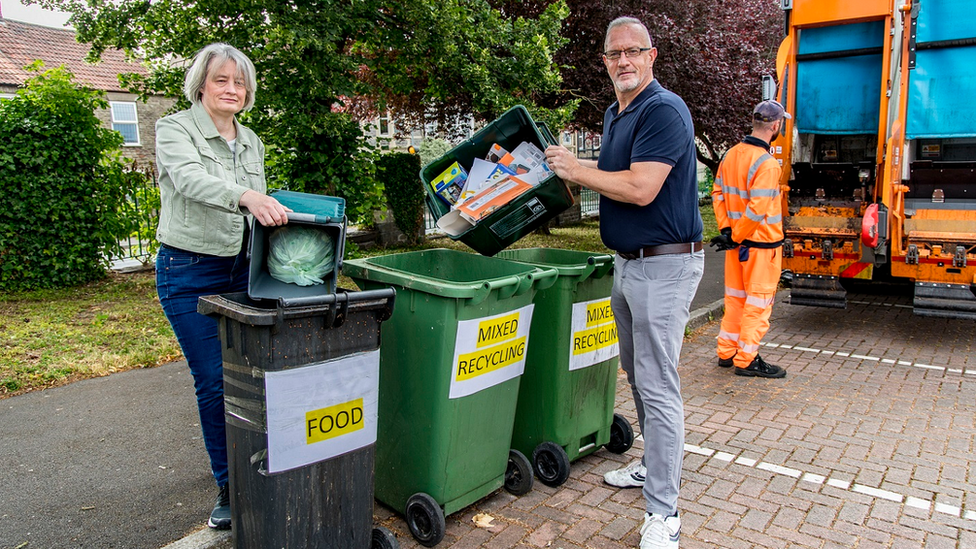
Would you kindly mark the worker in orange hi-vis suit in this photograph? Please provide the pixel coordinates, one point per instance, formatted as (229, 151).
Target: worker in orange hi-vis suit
(748, 208)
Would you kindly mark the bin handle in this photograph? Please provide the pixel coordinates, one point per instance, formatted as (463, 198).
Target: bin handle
(342, 243)
(524, 284)
(542, 279)
(337, 315)
(587, 270)
(502, 285)
(309, 218)
(605, 267)
(598, 271)
(329, 299)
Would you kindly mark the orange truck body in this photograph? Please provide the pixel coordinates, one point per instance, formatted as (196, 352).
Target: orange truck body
(879, 160)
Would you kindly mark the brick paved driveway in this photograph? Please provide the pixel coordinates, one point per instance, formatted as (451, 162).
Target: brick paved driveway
(867, 443)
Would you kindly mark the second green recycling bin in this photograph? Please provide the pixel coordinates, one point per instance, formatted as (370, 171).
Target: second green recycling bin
(566, 397)
(451, 358)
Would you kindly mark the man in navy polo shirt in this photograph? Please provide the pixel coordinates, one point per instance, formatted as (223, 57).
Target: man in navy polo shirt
(647, 179)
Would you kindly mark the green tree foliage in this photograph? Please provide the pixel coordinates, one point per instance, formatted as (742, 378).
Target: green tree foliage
(712, 53)
(64, 182)
(321, 62)
(404, 192)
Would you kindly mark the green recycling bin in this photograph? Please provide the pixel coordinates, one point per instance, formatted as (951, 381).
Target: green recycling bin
(451, 358)
(567, 393)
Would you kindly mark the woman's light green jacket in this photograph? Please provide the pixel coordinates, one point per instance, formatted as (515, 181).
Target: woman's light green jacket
(201, 182)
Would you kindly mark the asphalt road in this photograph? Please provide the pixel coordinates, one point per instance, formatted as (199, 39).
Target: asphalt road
(112, 462)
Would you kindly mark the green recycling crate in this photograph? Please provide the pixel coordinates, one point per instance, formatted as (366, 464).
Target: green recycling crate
(451, 358)
(566, 397)
(523, 214)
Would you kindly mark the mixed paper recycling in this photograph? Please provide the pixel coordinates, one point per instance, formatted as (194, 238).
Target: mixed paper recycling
(489, 184)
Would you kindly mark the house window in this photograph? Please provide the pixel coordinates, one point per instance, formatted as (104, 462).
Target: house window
(124, 121)
(386, 129)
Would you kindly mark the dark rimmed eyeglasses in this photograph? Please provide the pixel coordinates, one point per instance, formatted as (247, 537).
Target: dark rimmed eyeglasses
(629, 53)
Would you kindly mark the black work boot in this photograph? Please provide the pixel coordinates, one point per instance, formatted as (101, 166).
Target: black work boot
(759, 368)
(726, 362)
(220, 516)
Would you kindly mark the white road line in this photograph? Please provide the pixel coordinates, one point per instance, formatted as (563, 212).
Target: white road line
(879, 493)
(816, 479)
(779, 469)
(842, 484)
(872, 358)
(917, 503)
(909, 501)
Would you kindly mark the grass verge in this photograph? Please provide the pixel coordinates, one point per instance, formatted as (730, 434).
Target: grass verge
(52, 337)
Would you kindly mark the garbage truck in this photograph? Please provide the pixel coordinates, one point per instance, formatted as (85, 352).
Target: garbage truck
(879, 178)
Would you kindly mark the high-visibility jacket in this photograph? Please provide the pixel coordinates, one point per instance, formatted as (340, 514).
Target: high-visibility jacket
(746, 196)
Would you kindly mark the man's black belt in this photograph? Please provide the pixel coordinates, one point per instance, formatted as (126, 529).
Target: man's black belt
(663, 249)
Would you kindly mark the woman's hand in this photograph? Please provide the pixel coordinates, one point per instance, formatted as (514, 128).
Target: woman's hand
(268, 211)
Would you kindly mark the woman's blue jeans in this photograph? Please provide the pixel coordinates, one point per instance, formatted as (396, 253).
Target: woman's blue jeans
(181, 278)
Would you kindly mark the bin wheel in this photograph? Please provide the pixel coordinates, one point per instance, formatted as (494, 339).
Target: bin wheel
(518, 476)
(551, 463)
(621, 435)
(384, 539)
(425, 518)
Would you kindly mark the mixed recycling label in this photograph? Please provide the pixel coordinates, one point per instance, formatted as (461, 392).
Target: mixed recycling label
(594, 333)
(321, 410)
(489, 351)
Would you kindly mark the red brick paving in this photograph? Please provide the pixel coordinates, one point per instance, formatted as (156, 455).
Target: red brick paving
(810, 461)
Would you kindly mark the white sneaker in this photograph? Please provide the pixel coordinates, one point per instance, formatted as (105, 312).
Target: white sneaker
(659, 532)
(631, 476)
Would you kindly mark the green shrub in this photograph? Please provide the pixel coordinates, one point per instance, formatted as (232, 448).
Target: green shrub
(323, 155)
(400, 173)
(64, 181)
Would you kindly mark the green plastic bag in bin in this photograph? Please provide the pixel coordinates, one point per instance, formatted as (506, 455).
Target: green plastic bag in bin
(300, 255)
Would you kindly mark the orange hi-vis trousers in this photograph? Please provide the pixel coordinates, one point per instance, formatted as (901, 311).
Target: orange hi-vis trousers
(750, 287)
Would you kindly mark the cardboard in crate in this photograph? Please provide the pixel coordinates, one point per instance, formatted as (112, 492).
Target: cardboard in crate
(528, 210)
(325, 213)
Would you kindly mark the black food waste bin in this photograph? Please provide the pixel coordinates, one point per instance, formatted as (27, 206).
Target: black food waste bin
(301, 383)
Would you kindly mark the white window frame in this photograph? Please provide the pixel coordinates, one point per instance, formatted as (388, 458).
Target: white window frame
(7, 95)
(388, 120)
(135, 122)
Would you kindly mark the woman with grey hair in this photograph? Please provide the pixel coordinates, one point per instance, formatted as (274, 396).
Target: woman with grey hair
(211, 183)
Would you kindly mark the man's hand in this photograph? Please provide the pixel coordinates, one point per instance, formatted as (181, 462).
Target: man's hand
(562, 162)
(723, 241)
